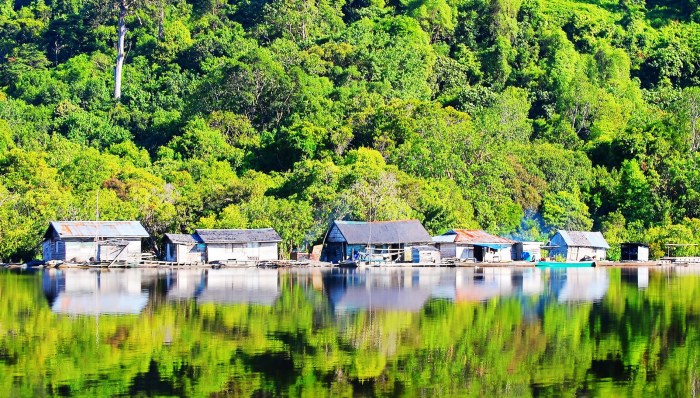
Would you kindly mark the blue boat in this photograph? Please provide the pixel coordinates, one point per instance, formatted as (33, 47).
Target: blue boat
(565, 264)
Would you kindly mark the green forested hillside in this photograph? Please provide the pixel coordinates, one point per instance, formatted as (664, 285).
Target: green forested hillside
(516, 116)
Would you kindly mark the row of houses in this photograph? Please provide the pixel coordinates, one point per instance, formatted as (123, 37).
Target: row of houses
(409, 241)
(100, 241)
(376, 242)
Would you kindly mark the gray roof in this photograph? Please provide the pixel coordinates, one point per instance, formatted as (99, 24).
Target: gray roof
(238, 235)
(383, 232)
(186, 239)
(91, 229)
(584, 239)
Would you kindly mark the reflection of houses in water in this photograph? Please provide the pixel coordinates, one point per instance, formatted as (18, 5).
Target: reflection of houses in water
(579, 284)
(410, 289)
(380, 289)
(691, 269)
(638, 276)
(482, 284)
(379, 298)
(82, 292)
(240, 285)
(184, 284)
(224, 286)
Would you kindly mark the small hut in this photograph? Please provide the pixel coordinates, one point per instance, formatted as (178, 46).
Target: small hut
(527, 251)
(184, 248)
(82, 241)
(425, 254)
(634, 252)
(576, 245)
(474, 245)
(240, 244)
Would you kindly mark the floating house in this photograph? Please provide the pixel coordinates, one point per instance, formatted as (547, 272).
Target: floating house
(634, 252)
(527, 251)
(184, 248)
(576, 245)
(240, 244)
(474, 245)
(211, 245)
(377, 241)
(82, 241)
(425, 254)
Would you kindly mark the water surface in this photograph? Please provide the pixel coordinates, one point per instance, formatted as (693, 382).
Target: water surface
(374, 332)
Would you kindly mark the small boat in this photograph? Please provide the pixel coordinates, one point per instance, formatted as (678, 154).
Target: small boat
(347, 264)
(565, 264)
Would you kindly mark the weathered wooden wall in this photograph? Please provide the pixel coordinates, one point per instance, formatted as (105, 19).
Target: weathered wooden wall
(263, 251)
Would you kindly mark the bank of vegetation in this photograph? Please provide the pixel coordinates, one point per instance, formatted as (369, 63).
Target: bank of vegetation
(516, 116)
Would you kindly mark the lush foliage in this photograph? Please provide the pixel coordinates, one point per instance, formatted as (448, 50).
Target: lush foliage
(516, 116)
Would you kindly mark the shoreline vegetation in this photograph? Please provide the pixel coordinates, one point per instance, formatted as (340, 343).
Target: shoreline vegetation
(518, 117)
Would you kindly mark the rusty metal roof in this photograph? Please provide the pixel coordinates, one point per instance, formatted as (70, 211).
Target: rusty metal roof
(103, 229)
(477, 237)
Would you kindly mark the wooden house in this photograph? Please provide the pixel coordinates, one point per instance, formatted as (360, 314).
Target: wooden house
(425, 254)
(239, 244)
(377, 241)
(474, 245)
(184, 248)
(527, 251)
(576, 245)
(82, 241)
(634, 252)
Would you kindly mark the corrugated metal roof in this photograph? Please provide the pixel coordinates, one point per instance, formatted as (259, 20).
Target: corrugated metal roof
(103, 229)
(383, 232)
(186, 239)
(476, 237)
(584, 239)
(238, 235)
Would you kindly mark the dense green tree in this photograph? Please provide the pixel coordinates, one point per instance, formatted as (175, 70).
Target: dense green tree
(494, 114)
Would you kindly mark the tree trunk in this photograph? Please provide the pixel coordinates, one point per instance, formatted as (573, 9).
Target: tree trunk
(161, 20)
(121, 32)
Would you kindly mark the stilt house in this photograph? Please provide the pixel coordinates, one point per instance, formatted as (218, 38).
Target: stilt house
(377, 241)
(575, 245)
(474, 245)
(239, 244)
(82, 241)
(184, 248)
(634, 252)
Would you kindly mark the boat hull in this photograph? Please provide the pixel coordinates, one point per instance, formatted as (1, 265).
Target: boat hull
(567, 264)
(347, 264)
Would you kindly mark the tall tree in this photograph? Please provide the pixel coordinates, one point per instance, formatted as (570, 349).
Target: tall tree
(121, 36)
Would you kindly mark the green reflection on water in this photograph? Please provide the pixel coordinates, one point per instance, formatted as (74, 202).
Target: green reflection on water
(632, 342)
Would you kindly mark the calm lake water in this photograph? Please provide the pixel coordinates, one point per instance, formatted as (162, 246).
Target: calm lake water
(375, 332)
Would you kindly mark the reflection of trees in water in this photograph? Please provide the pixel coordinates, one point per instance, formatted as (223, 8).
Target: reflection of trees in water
(644, 341)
